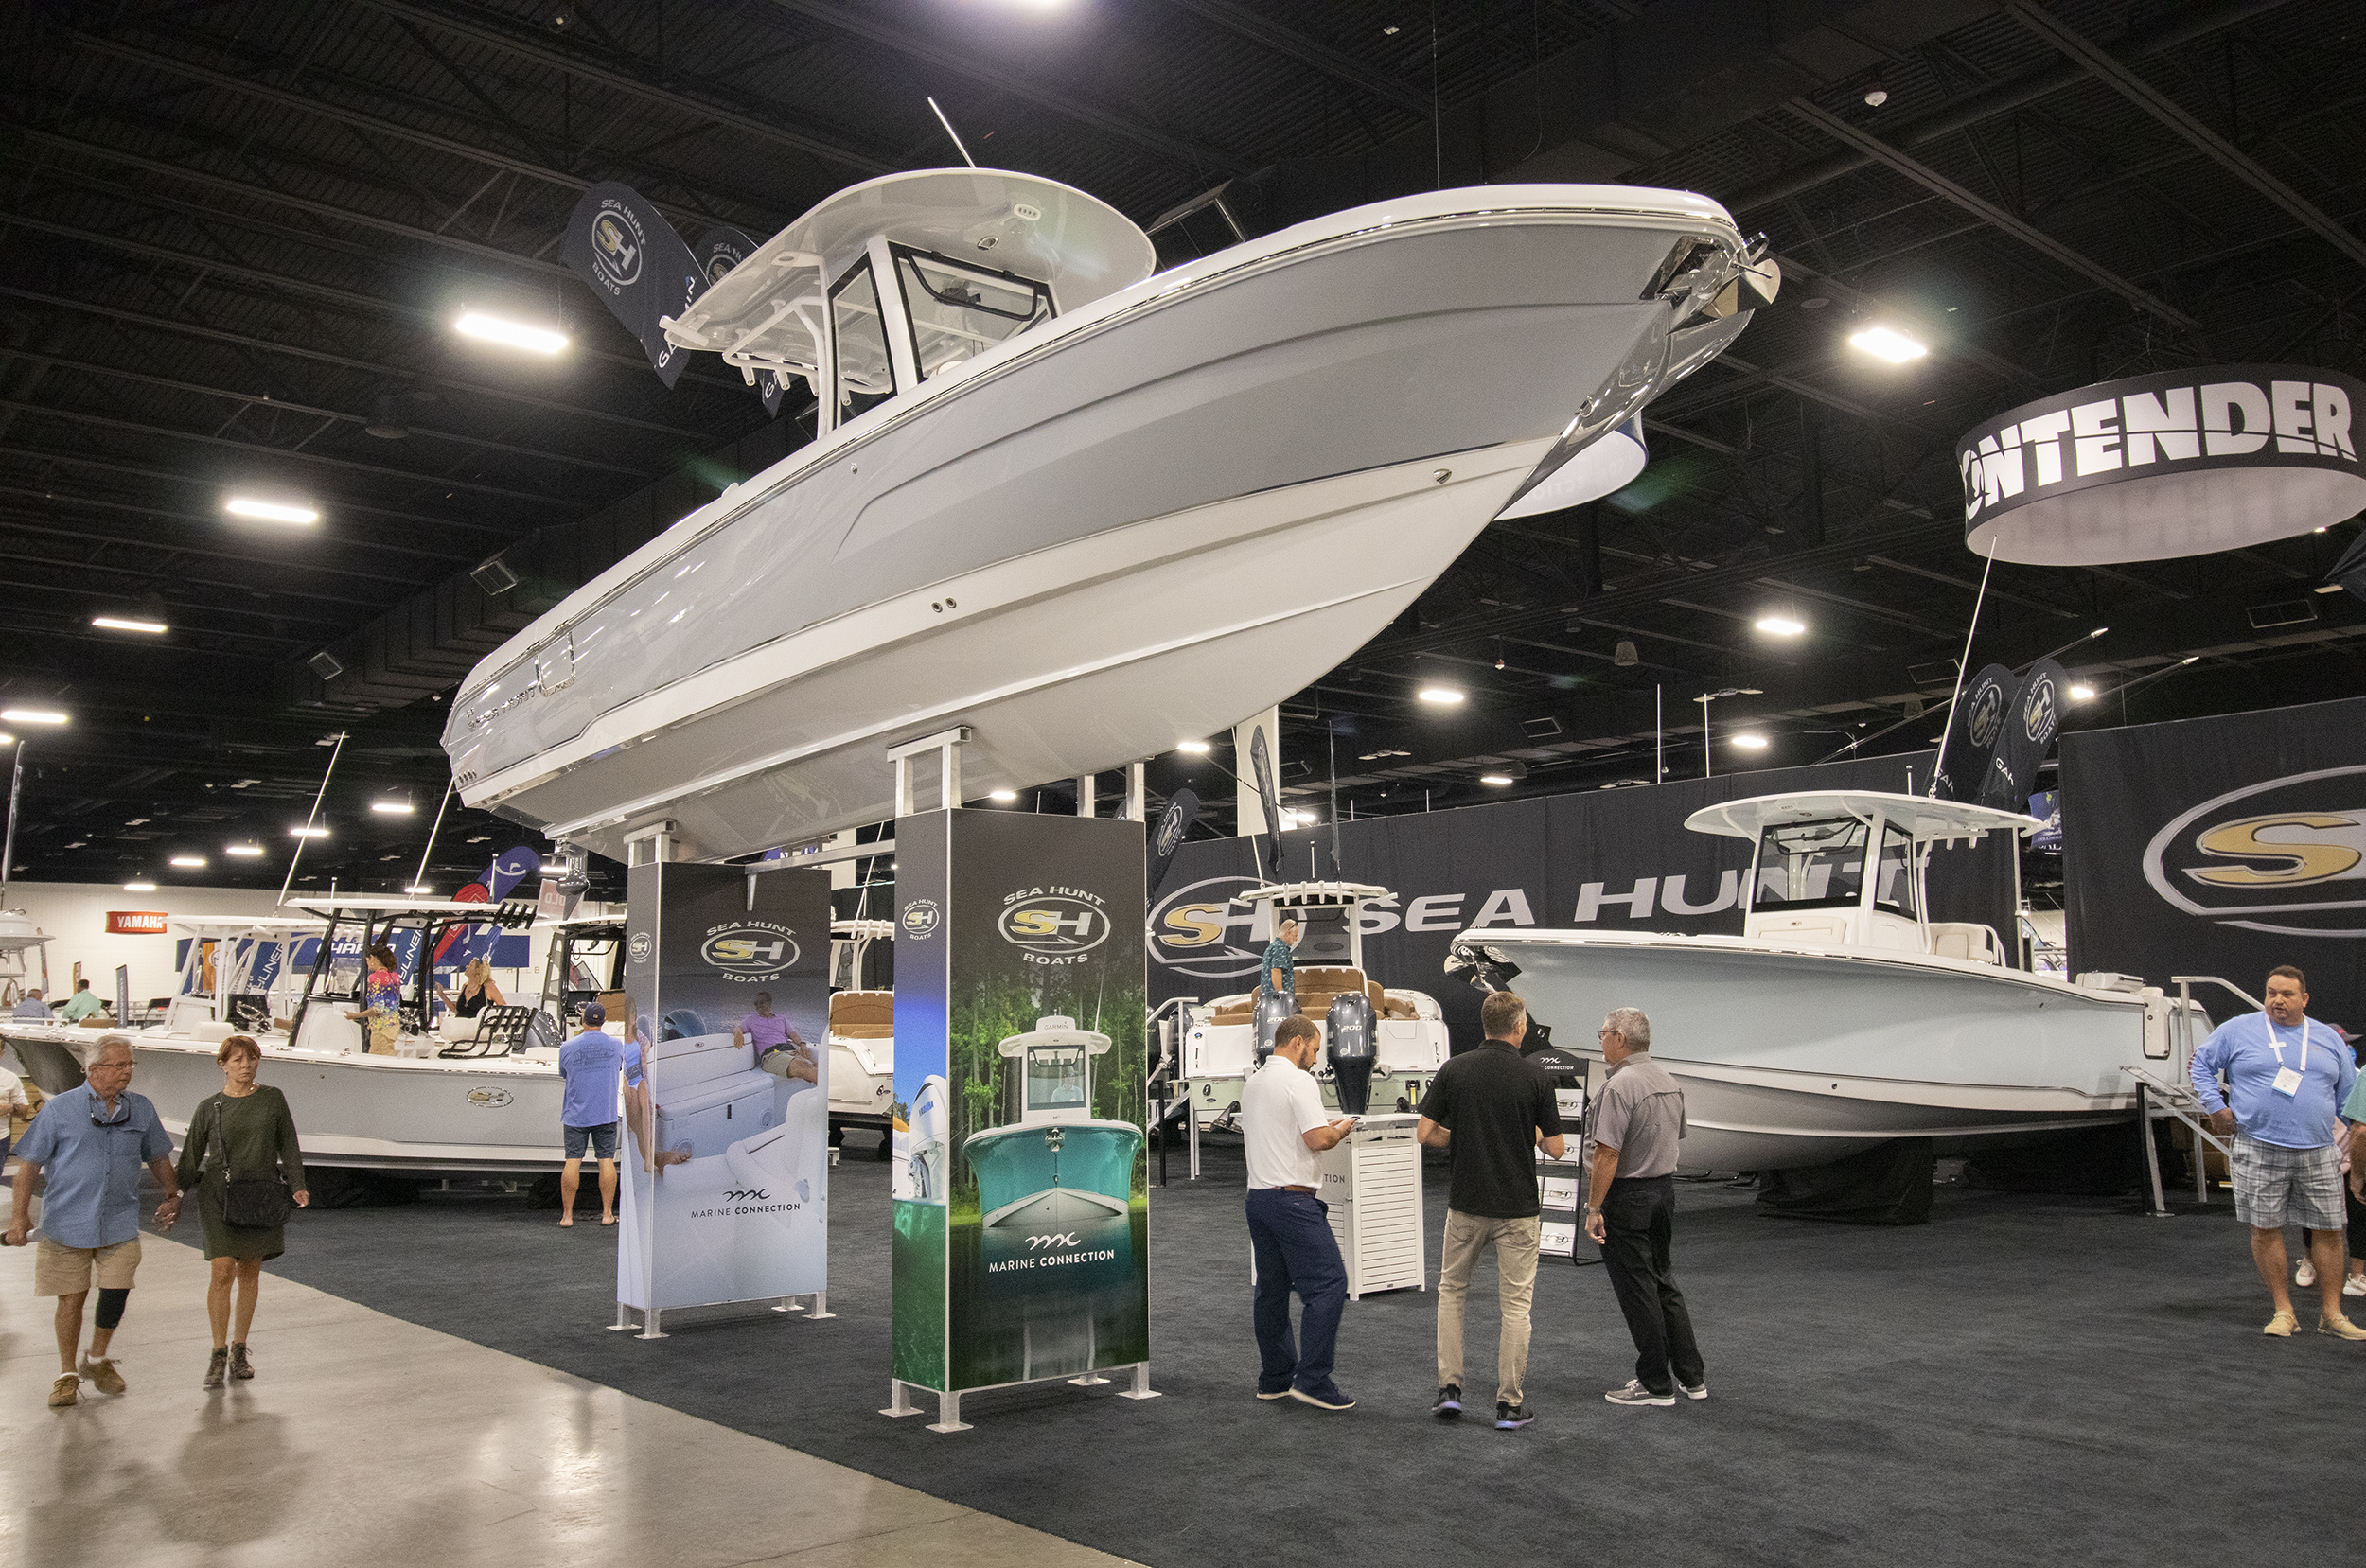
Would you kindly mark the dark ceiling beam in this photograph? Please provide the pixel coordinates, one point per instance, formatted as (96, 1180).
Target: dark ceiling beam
(1996, 216)
(1255, 26)
(966, 62)
(51, 526)
(265, 400)
(290, 454)
(1971, 587)
(371, 367)
(767, 122)
(172, 572)
(2161, 107)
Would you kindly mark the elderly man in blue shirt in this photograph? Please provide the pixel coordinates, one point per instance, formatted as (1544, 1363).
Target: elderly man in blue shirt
(2287, 1077)
(91, 1141)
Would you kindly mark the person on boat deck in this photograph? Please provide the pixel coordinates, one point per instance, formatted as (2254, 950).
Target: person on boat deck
(2286, 1080)
(1277, 971)
(82, 1004)
(769, 1031)
(475, 991)
(588, 1070)
(30, 1008)
(381, 995)
(245, 1133)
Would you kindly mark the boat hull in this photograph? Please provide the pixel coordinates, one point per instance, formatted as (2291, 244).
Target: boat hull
(1795, 1057)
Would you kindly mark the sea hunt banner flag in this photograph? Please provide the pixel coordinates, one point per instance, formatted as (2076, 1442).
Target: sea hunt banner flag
(1972, 730)
(2031, 722)
(721, 248)
(1261, 765)
(1182, 811)
(2230, 845)
(2178, 463)
(630, 255)
(726, 1151)
(1619, 860)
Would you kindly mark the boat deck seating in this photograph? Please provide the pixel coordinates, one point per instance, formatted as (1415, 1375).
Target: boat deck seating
(863, 1015)
(1962, 938)
(1317, 985)
(499, 1032)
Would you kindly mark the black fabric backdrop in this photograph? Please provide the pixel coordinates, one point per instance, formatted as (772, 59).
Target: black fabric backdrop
(1562, 861)
(2164, 876)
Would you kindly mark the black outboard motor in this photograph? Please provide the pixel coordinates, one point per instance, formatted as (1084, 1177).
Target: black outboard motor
(1272, 1006)
(1355, 1033)
(1482, 968)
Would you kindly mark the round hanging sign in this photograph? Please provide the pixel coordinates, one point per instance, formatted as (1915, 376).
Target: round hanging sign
(2179, 462)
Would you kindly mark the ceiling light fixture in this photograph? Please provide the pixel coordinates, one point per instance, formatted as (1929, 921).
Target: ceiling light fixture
(1876, 95)
(189, 860)
(244, 851)
(1195, 747)
(308, 832)
(510, 334)
(1751, 743)
(139, 887)
(2082, 693)
(31, 715)
(1888, 344)
(1781, 626)
(119, 623)
(391, 808)
(1444, 696)
(1005, 796)
(1497, 779)
(270, 511)
(418, 888)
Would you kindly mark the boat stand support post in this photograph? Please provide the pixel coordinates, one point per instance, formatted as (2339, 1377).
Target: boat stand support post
(947, 744)
(1136, 794)
(1193, 1114)
(1141, 1389)
(1088, 795)
(900, 1399)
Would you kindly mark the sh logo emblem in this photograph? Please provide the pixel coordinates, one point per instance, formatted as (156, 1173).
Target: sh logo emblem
(752, 951)
(2292, 850)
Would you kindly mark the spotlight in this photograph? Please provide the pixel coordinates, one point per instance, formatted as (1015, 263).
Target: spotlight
(510, 334)
(1196, 748)
(270, 511)
(1444, 696)
(1004, 796)
(1781, 626)
(1885, 342)
(1876, 95)
(1624, 655)
(2082, 693)
(1751, 743)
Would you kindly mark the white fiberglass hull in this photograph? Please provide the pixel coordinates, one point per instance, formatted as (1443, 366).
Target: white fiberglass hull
(1793, 1056)
(862, 1082)
(1140, 521)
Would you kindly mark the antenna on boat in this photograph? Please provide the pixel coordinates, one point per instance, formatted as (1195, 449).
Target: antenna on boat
(305, 836)
(1963, 667)
(7, 845)
(420, 880)
(950, 132)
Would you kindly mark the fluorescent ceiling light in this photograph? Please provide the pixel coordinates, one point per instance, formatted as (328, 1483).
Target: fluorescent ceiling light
(1781, 626)
(31, 715)
(244, 851)
(139, 887)
(512, 334)
(270, 511)
(308, 832)
(1494, 778)
(2329, 588)
(392, 808)
(188, 861)
(1751, 743)
(1006, 796)
(1444, 694)
(6, 739)
(118, 623)
(1885, 342)
(1194, 746)
(418, 888)
(2082, 693)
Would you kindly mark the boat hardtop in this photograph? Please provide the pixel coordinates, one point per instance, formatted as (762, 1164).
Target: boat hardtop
(1919, 816)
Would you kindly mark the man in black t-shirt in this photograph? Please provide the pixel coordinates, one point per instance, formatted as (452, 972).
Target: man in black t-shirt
(1492, 1110)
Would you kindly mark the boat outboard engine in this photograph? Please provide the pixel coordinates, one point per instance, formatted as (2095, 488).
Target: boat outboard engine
(1355, 1050)
(1481, 968)
(1272, 1006)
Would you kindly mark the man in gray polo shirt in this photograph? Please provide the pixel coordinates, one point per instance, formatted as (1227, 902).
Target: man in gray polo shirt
(1631, 1211)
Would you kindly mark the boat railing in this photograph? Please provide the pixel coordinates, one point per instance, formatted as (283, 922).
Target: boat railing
(2186, 1013)
(500, 1032)
(2171, 1097)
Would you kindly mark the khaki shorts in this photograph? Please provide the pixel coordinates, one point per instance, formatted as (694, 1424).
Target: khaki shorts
(60, 1269)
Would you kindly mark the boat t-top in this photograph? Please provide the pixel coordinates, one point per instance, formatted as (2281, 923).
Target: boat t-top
(1073, 508)
(1842, 1016)
(1229, 1038)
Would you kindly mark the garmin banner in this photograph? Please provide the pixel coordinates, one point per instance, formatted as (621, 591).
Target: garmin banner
(726, 1151)
(1973, 729)
(630, 255)
(1619, 859)
(1021, 1232)
(2179, 462)
(2223, 846)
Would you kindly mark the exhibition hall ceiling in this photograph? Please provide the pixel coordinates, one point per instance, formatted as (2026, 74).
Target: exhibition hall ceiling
(237, 235)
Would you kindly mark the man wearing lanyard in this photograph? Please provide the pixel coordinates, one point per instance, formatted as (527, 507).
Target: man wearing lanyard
(2285, 1079)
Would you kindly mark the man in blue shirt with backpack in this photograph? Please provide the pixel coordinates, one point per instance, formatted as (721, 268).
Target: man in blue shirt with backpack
(2286, 1080)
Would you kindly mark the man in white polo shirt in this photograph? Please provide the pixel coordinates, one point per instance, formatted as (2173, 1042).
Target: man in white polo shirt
(1282, 1129)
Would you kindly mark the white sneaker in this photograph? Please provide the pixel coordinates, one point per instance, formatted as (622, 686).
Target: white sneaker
(2354, 1285)
(2306, 1275)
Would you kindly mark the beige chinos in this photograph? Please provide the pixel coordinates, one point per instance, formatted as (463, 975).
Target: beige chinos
(1514, 1242)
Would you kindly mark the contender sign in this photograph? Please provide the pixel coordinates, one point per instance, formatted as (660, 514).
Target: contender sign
(2181, 462)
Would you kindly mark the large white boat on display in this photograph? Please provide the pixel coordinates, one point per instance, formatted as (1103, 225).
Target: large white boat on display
(1225, 1040)
(1075, 507)
(861, 1034)
(1843, 1016)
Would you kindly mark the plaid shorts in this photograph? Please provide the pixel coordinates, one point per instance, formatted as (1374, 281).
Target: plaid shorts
(2275, 1187)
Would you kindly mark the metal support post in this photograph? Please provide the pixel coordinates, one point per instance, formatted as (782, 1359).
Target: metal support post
(2152, 1155)
(1193, 1116)
(1136, 794)
(900, 1399)
(947, 744)
(948, 1414)
(1088, 802)
(649, 1328)
(1141, 1389)
(624, 1319)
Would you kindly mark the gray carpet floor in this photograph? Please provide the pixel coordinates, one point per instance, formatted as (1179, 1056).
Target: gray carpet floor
(2024, 1379)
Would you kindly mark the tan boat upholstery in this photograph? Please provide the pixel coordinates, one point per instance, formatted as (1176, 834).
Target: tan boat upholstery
(863, 1015)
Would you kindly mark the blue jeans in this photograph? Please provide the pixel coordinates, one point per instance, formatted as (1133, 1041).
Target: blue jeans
(1294, 1249)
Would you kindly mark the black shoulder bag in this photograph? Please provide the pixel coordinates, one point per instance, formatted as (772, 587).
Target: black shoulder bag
(253, 1203)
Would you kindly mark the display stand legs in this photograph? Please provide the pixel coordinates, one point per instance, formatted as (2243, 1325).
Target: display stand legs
(820, 1310)
(901, 1396)
(815, 1312)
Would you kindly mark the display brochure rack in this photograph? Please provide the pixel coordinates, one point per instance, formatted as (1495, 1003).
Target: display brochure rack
(1561, 1187)
(900, 1394)
(1373, 1181)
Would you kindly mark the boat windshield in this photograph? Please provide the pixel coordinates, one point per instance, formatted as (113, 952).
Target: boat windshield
(858, 336)
(1809, 866)
(1055, 1078)
(959, 311)
(1897, 891)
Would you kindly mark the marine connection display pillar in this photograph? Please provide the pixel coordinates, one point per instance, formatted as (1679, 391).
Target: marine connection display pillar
(1021, 1197)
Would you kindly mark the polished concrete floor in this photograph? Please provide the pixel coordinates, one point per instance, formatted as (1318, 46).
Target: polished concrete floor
(366, 1441)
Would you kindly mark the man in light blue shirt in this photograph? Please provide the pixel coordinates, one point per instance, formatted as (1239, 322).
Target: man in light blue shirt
(31, 1009)
(92, 1141)
(588, 1065)
(2286, 1080)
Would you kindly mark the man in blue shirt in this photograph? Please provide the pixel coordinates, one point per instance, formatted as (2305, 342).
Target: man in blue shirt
(2286, 1080)
(92, 1141)
(1277, 971)
(587, 1065)
(30, 1008)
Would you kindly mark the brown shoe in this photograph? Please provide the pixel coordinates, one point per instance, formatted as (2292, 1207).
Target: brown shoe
(2340, 1328)
(216, 1367)
(103, 1375)
(66, 1390)
(2282, 1325)
(239, 1365)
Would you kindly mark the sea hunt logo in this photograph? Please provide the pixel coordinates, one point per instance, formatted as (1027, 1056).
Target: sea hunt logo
(1054, 924)
(485, 1098)
(1169, 833)
(921, 919)
(720, 264)
(617, 245)
(640, 947)
(2292, 849)
(1986, 715)
(2037, 710)
(1191, 930)
(750, 952)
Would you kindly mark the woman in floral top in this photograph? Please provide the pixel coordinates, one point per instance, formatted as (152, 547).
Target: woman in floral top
(381, 993)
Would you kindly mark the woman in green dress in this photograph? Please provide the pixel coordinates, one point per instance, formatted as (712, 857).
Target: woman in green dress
(245, 1129)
